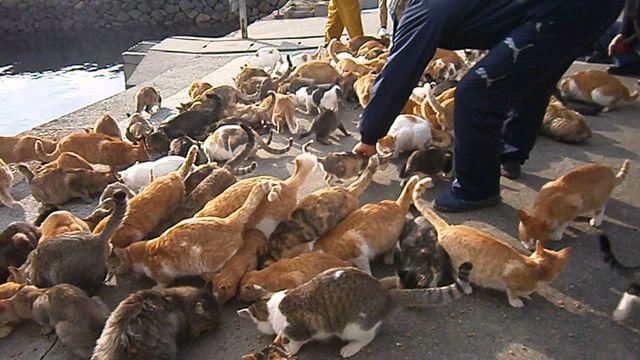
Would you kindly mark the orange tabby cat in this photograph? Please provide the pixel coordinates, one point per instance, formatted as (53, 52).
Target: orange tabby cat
(225, 283)
(192, 247)
(496, 264)
(151, 205)
(269, 214)
(367, 232)
(66, 160)
(61, 222)
(287, 274)
(584, 190)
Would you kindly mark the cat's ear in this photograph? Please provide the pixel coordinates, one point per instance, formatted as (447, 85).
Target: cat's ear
(261, 291)
(565, 253)
(244, 313)
(539, 248)
(523, 215)
(15, 272)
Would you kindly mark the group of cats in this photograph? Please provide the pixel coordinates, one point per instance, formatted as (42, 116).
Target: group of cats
(183, 215)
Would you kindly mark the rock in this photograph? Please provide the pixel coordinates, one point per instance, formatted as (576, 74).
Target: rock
(180, 18)
(273, 2)
(46, 24)
(202, 18)
(158, 15)
(191, 14)
(66, 24)
(122, 17)
(6, 24)
(185, 5)
(219, 7)
(217, 17)
(79, 6)
(144, 18)
(9, 4)
(264, 7)
(172, 9)
(51, 3)
(134, 14)
(144, 7)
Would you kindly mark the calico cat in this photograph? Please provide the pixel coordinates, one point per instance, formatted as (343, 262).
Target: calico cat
(148, 98)
(269, 214)
(76, 258)
(423, 261)
(318, 213)
(497, 265)
(339, 166)
(151, 205)
(149, 323)
(630, 301)
(16, 242)
(430, 161)
(597, 87)
(108, 126)
(225, 283)
(324, 125)
(180, 146)
(14, 149)
(139, 175)
(273, 351)
(410, 132)
(76, 318)
(286, 274)
(192, 247)
(344, 302)
(584, 190)
(228, 140)
(367, 232)
(137, 128)
(6, 181)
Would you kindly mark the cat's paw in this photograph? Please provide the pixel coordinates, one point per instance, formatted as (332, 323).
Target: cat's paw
(292, 347)
(351, 349)
(274, 188)
(595, 222)
(46, 330)
(516, 303)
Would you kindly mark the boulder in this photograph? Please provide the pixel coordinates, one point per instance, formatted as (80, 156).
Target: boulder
(202, 18)
(172, 9)
(158, 15)
(123, 17)
(264, 7)
(144, 7)
(185, 5)
(9, 4)
(134, 14)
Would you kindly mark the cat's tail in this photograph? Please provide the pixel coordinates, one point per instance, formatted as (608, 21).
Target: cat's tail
(305, 147)
(435, 296)
(609, 258)
(404, 200)
(330, 50)
(256, 196)
(271, 150)
(360, 185)
(185, 168)
(44, 155)
(244, 170)
(25, 170)
(633, 96)
(117, 216)
(441, 139)
(7, 200)
(44, 214)
(431, 98)
(624, 170)
(305, 163)
(235, 161)
(425, 208)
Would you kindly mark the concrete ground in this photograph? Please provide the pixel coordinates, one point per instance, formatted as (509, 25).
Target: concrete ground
(568, 319)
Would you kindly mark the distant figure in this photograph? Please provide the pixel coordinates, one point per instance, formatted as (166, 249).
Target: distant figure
(384, 18)
(343, 13)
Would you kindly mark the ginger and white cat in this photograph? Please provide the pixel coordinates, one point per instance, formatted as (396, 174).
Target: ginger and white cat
(408, 133)
(193, 246)
(496, 264)
(595, 86)
(583, 191)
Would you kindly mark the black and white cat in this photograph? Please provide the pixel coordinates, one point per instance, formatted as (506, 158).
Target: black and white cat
(319, 98)
(629, 304)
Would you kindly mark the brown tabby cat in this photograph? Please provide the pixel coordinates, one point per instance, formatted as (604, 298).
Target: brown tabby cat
(496, 264)
(193, 247)
(318, 213)
(151, 205)
(273, 351)
(269, 214)
(287, 274)
(147, 98)
(584, 190)
(343, 302)
(367, 232)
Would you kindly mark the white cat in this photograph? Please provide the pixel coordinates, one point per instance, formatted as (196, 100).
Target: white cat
(319, 97)
(265, 58)
(140, 175)
(407, 133)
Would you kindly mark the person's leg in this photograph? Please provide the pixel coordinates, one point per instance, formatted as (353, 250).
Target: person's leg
(500, 81)
(383, 14)
(334, 27)
(349, 11)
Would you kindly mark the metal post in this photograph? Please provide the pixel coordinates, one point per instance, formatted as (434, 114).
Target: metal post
(242, 10)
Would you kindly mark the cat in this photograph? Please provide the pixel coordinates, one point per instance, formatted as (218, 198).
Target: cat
(76, 318)
(265, 58)
(148, 98)
(192, 247)
(61, 222)
(340, 166)
(364, 88)
(319, 98)
(228, 140)
(6, 181)
(197, 88)
(584, 190)
(270, 213)
(423, 261)
(218, 96)
(96, 148)
(138, 176)
(359, 41)
(17, 240)
(324, 125)
(137, 128)
(629, 303)
(283, 116)
(408, 133)
(76, 258)
(15, 149)
(58, 186)
(367, 232)
(193, 123)
(563, 124)
(257, 115)
(108, 126)
(430, 161)
(320, 71)
(151, 205)
(180, 146)
(318, 213)
(595, 86)
(243, 79)
(149, 323)
(66, 160)
(273, 351)
(444, 114)
(631, 272)
(225, 283)
(286, 274)
(344, 302)
(497, 265)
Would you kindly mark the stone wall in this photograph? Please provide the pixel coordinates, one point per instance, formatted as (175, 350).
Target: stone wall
(60, 17)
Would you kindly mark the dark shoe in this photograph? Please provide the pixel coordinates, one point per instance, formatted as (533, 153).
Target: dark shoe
(628, 69)
(511, 170)
(450, 203)
(598, 57)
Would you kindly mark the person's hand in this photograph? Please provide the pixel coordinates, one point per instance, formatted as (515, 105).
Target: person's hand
(364, 149)
(615, 43)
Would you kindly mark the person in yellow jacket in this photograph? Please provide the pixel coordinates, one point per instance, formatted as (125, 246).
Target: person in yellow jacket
(343, 13)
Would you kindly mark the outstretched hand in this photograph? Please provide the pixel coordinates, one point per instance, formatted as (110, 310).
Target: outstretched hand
(365, 149)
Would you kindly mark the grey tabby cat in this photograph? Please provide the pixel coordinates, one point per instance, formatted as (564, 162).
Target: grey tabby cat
(347, 303)
(630, 302)
(147, 324)
(76, 258)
